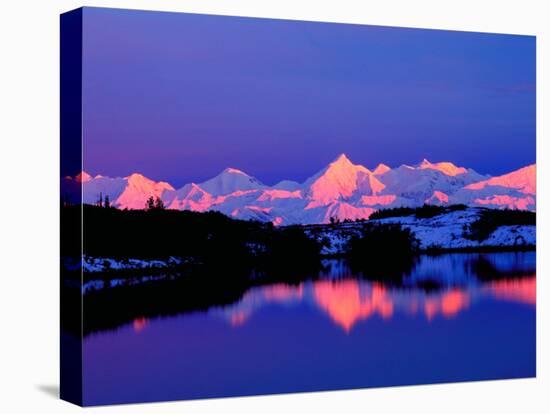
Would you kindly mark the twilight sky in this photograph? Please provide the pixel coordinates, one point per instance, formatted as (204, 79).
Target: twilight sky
(179, 97)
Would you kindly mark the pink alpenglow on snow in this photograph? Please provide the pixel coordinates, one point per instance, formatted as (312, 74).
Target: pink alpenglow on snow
(513, 190)
(381, 200)
(447, 168)
(341, 179)
(342, 190)
(524, 180)
(139, 189)
(520, 203)
(381, 169)
(438, 198)
(83, 177)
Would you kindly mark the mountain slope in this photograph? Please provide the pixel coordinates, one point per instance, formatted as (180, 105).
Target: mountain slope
(447, 168)
(229, 181)
(340, 180)
(523, 180)
(513, 190)
(416, 185)
(189, 197)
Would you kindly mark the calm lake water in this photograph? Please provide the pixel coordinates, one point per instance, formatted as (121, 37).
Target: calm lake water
(454, 317)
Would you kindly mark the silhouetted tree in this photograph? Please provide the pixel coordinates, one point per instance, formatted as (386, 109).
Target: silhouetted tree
(383, 250)
(150, 203)
(154, 203)
(107, 201)
(159, 204)
(100, 200)
(491, 219)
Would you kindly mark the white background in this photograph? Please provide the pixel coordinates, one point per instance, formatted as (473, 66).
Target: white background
(29, 159)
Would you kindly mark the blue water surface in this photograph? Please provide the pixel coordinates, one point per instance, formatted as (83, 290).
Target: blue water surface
(451, 319)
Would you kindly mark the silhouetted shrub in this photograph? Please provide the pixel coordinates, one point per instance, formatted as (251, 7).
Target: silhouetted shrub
(456, 207)
(386, 251)
(392, 212)
(428, 211)
(490, 219)
(290, 246)
(383, 240)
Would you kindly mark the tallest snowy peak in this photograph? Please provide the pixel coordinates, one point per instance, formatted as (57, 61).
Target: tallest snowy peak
(340, 180)
(342, 161)
(342, 158)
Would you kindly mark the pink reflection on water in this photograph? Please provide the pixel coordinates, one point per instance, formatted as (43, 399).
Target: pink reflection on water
(140, 324)
(520, 290)
(238, 318)
(255, 298)
(282, 292)
(348, 301)
(447, 303)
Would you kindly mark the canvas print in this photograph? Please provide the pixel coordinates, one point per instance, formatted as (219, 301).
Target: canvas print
(255, 206)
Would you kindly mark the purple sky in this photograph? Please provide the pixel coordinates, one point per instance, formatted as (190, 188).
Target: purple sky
(179, 97)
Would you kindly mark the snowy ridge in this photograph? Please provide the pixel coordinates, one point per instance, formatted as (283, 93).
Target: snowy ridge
(340, 191)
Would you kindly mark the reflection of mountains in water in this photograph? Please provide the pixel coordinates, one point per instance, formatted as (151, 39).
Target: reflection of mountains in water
(436, 286)
(349, 301)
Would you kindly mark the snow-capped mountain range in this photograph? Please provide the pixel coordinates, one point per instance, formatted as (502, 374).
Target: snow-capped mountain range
(341, 190)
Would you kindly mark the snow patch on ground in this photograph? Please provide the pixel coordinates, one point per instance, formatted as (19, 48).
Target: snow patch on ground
(100, 264)
(445, 231)
(95, 285)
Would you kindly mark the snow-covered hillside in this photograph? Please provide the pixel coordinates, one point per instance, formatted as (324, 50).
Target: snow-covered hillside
(444, 231)
(342, 190)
